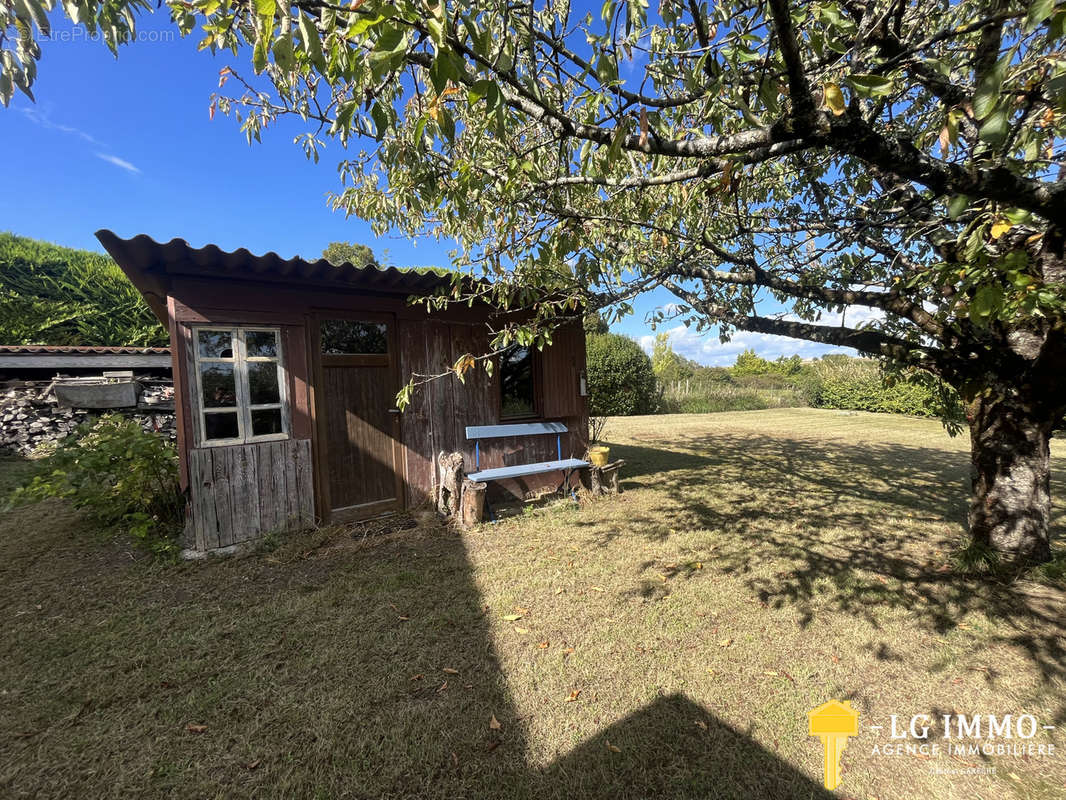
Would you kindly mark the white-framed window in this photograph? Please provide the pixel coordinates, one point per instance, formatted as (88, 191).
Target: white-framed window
(240, 385)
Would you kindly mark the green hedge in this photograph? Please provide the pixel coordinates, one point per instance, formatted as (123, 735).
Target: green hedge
(860, 385)
(60, 296)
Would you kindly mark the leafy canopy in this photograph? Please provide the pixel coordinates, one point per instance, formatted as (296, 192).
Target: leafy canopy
(360, 255)
(898, 156)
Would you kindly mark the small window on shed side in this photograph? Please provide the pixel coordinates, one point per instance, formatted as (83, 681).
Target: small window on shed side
(517, 384)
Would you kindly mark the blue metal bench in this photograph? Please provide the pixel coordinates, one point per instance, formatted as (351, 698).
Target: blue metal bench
(565, 465)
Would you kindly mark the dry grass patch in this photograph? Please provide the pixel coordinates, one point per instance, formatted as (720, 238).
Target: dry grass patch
(665, 643)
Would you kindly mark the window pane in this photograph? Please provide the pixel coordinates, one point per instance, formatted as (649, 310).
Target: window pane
(221, 426)
(266, 421)
(516, 382)
(261, 344)
(263, 383)
(215, 344)
(344, 336)
(220, 389)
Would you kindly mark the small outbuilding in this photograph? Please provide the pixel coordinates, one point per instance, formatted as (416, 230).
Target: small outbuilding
(285, 378)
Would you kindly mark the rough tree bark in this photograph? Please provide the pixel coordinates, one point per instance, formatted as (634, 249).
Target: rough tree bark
(1010, 508)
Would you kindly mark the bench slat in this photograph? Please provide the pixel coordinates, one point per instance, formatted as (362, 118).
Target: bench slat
(518, 470)
(518, 429)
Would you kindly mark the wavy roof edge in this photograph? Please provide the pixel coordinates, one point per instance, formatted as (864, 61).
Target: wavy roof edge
(147, 263)
(64, 349)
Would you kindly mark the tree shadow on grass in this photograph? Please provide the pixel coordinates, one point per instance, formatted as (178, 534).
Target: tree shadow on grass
(854, 528)
(339, 667)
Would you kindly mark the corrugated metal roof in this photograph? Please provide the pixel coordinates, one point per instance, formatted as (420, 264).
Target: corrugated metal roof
(48, 349)
(148, 263)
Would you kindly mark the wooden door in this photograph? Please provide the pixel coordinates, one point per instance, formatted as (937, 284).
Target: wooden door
(358, 423)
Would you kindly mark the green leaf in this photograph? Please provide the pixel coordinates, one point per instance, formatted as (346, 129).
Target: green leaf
(956, 205)
(995, 128)
(479, 90)
(986, 302)
(363, 24)
(381, 120)
(259, 55)
(312, 44)
(987, 95)
(283, 55)
(1039, 10)
(266, 8)
(871, 85)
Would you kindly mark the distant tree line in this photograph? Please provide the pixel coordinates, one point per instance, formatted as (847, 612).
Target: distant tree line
(624, 380)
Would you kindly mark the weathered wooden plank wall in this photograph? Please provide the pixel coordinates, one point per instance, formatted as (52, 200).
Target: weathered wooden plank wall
(441, 410)
(242, 492)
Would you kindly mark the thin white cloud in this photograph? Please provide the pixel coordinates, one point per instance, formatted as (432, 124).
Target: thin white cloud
(39, 117)
(118, 162)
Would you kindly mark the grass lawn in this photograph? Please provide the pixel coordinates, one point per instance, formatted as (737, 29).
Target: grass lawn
(664, 643)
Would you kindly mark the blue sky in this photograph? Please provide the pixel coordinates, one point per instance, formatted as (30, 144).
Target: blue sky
(127, 144)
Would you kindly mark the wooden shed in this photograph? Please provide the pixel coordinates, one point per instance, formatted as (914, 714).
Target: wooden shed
(286, 373)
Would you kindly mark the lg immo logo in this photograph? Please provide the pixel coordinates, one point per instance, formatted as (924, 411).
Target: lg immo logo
(998, 735)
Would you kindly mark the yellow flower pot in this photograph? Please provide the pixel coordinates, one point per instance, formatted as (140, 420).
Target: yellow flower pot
(598, 456)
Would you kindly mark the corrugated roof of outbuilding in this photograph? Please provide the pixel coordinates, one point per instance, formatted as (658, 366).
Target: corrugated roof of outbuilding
(148, 262)
(60, 349)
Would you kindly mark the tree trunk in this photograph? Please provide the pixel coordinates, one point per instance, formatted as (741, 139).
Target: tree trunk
(1011, 503)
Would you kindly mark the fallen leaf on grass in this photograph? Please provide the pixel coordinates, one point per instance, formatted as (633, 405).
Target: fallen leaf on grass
(725, 643)
(568, 651)
(522, 631)
(573, 695)
(512, 617)
(770, 672)
(543, 645)
(559, 591)
(450, 671)
(417, 677)
(404, 619)
(612, 748)
(520, 610)
(701, 724)
(492, 745)
(253, 764)
(442, 687)
(455, 759)
(193, 728)
(494, 724)
(597, 589)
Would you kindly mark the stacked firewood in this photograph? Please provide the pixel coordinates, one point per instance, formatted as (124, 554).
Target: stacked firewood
(30, 415)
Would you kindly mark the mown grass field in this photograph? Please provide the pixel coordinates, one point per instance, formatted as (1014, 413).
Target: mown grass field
(664, 643)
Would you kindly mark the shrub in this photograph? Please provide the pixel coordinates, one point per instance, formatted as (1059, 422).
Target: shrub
(120, 475)
(621, 381)
(860, 385)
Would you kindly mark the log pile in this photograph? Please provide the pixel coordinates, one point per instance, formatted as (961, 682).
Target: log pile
(30, 415)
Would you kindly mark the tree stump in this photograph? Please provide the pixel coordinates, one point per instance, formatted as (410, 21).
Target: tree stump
(473, 502)
(604, 480)
(449, 482)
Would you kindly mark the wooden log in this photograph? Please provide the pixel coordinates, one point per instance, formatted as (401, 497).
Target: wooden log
(473, 502)
(596, 480)
(449, 482)
(605, 480)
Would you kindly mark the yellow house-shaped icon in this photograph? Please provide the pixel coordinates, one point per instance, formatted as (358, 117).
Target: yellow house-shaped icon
(834, 718)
